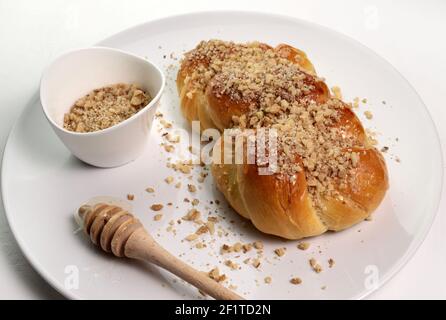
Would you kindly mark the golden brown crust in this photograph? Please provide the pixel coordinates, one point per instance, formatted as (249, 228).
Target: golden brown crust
(297, 56)
(214, 109)
(279, 204)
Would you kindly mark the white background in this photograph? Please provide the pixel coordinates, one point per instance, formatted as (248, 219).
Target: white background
(409, 34)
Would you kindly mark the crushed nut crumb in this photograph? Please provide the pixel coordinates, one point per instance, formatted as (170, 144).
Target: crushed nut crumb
(191, 188)
(105, 107)
(169, 180)
(315, 266)
(296, 280)
(280, 251)
(258, 245)
(231, 264)
(214, 274)
(156, 207)
(192, 237)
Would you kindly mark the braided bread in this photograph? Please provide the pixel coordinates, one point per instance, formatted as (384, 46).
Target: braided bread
(329, 176)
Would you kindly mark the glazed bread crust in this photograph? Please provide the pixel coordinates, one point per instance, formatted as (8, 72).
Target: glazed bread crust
(277, 204)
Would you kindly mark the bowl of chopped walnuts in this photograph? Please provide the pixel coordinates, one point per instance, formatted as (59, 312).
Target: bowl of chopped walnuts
(101, 103)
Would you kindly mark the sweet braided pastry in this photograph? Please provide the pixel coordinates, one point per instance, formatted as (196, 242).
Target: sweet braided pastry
(329, 176)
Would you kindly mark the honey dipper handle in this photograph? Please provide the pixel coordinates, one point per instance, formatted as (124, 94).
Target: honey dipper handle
(142, 246)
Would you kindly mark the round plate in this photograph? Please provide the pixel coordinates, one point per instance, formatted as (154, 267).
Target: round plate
(43, 183)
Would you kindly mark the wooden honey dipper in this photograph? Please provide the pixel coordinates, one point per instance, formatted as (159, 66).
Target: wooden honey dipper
(118, 231)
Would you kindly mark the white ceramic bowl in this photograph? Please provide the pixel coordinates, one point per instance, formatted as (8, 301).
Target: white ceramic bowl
(76, 73)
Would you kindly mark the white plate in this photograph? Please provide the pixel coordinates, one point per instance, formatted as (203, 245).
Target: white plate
(42, 183)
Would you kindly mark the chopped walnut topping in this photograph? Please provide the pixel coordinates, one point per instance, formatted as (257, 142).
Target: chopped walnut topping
(130, 197)
(157, 217)
(280, 251)
(191, 188)
(195, 202)
(192, 215)
(192, 237)
(156, 207)
(231, 264)
(237, 247)
(226, 249)
(169, 180)
(169, 148)
(213, 219)
(268, 280)
(183, 166)
(331, 263)
(172, 139)
(246, 247)
(315, 266)
(150, 190)
(211, 227)
(258, 245)
(256, 263)
(165, 124)
(368, 115)
(214, 274)
(303, 246)
(200, 245)
(105, 107)
(296, 280)
(201, 230)
(337, 92)
(281, 96)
